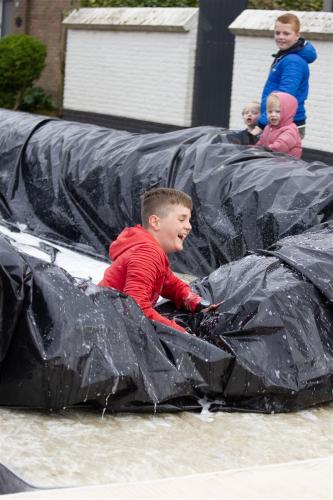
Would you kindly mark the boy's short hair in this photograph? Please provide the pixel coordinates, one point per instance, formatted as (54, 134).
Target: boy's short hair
(157, 200)
(289, 18)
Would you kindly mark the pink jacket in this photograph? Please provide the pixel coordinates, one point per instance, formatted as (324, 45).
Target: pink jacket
(284, 137)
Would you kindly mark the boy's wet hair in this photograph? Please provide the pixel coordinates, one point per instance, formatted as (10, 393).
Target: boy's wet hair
(157, 200)
(292, 19)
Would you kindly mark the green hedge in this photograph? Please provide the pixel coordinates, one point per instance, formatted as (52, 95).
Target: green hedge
(22, 59)
(139, 3)
(286, 4)
(254, 4)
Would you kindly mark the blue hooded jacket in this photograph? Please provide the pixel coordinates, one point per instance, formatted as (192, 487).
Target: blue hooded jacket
(290, 73)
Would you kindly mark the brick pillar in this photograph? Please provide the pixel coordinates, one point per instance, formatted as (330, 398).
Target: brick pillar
(21, 16)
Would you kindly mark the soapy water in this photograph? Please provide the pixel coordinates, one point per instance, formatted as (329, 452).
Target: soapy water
(76, 447)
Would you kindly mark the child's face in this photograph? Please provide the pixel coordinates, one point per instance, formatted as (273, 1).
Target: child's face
(251, 115)
(273, 112)
(284, 35)
(173, 228)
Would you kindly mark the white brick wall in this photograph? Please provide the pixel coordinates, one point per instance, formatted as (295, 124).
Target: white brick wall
(145, 75)
(251, 66)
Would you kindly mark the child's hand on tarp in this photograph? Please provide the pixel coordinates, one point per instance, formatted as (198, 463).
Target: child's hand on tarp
(205, 306)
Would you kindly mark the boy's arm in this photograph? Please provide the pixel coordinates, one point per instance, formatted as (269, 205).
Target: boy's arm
(143, 271)
(284, 142)
(180, 293)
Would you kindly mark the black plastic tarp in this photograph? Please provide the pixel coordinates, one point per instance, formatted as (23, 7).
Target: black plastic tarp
(268, 347)
(81, 184)
(276, 322)
(68, 346)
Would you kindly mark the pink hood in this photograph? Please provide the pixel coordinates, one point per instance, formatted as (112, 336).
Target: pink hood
(288, 107)
(284, 137)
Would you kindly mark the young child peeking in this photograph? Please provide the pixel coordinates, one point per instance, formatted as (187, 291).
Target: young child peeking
(281, 134)
(250, 114)
(140, 266)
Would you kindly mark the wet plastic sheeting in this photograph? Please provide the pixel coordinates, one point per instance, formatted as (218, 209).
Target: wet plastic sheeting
(72, 347)
(248, 201)
(276, 323)
(311, 254)
(81, 184)
(278, 328)
(12, 273)
(267, 348)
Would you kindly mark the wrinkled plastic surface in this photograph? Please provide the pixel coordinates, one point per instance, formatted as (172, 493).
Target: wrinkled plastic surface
(70, 346)
(276, 323)
(267, 348)
(81, 184)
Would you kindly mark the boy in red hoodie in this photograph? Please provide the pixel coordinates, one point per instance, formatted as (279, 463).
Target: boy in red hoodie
(140, 265)
(281, 134)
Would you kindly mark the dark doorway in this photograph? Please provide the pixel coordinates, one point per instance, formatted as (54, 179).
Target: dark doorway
(7, 17)
(214, 62)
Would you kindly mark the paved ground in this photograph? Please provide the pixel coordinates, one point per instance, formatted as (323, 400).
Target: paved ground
(310, 479)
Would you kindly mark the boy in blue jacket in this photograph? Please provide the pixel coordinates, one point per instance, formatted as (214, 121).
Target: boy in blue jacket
(290, 69)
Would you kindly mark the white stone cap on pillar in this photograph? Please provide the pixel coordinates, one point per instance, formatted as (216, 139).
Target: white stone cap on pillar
(314, 25)
(133, 19)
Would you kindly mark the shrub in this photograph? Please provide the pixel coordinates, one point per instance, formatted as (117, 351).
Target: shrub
(22, 59)
(7, 100)
(286, 4)
(35, 99)
(253, 4)
(139, 3)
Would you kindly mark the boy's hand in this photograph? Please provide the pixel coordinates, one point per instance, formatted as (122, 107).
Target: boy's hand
(204, 306)
(212, 307)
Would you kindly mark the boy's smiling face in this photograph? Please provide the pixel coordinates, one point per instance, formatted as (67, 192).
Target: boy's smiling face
(285, 35)
(171, 227)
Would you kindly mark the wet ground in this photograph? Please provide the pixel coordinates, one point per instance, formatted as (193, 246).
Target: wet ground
(80, 447)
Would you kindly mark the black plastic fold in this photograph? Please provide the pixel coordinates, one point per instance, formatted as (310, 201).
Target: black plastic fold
(80, 184)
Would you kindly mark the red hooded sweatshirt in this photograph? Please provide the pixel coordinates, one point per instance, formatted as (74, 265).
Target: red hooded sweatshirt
(141, 269)
(284, 137)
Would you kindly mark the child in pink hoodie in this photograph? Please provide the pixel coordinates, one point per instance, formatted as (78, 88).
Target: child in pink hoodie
(281, 134)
